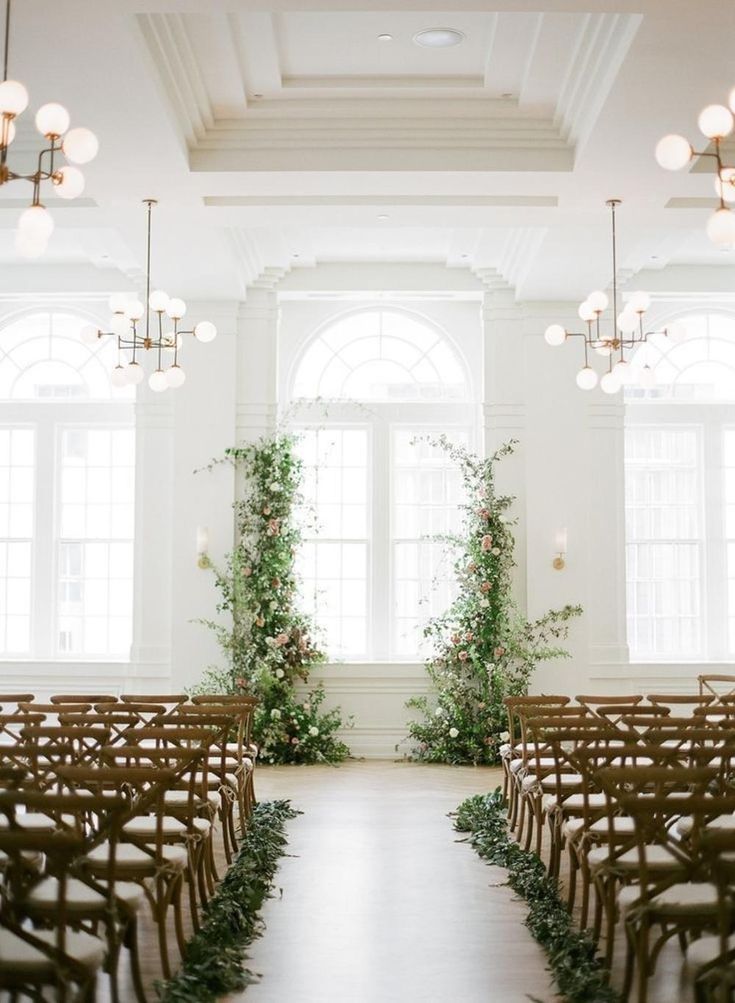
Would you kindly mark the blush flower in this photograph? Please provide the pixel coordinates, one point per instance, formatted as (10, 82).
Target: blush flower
(463, 656)
(485, 587)
(486, 543)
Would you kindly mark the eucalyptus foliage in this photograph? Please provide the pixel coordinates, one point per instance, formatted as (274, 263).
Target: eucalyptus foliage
(214, 962)
(578, 972)
(485, 649)
(267, 641)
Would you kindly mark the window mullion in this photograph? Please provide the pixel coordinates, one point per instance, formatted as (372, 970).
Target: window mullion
(714, 596)
(44, 551)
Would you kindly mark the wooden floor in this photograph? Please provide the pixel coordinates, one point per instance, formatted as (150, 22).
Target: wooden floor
(378, 901)
(380, 904)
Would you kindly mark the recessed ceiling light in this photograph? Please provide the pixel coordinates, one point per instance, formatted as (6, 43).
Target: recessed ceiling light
(385, 37)
(294, 255)
(257, 95)
(383, 217)
(438, 38)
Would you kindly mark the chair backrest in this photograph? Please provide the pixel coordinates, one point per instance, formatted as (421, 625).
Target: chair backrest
(49, 746)
(593, 701)
(90, 698)
(514, 706)
(716, 684)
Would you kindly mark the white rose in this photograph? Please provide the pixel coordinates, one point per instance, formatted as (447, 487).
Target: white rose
(280, 673)
(438, 712)
(496, 551)
(313, 731)
(453, 733)
(273, 604)
(275, 714)
(275, 486)
(484, 603)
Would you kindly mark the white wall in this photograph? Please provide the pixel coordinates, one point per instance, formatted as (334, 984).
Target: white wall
(567, 473)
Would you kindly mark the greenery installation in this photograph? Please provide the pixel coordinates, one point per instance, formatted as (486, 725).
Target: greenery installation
(268, 642)
(577, 970)
(214, 963)
(485, 648)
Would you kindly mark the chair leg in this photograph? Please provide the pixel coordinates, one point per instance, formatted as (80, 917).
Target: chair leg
(573, 868)
(642, 961)
(131, 942)
(179, 914)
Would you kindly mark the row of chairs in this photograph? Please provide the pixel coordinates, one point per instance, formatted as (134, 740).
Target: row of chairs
(108, 804)
(639, 792)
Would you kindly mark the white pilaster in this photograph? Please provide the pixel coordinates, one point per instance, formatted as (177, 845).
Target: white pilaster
(257, 362)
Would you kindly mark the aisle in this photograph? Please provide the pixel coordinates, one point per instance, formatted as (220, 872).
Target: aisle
(381, 904)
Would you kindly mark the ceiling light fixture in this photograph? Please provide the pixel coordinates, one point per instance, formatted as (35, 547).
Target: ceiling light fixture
(137, 332)
(79, 146)
(385, 37)
(383, 217)
(675, 152)
(438, 38)
(627, 333)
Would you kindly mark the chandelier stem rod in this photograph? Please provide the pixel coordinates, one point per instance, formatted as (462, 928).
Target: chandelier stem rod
(148, 275)
(7, 40)
(614, 272)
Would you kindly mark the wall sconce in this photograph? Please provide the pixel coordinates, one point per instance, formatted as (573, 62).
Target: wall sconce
(560, 562)
(203, 560)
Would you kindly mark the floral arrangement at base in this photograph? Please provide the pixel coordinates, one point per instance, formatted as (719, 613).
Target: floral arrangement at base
(269, 643)
(485, 649)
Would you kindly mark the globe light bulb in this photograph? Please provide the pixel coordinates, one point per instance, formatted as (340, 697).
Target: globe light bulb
(13, 98)
(175, 376)
(134, 309)
(36, 223)
(89, 334)
(628, 322)
(176, 308)
(586, 312)
(638, 302)
(119, 376)
(715, 121)
(647, 378)
(69, 182)
(80, 145)
(117, 303)
(136, 373)
(609, 384)
(157, 381)
(586, 378)
(721, 228)
(158, 300)
(555, 335)
(205, 331)
(120, 325)
(52, 120)
(9, 134)
(676, 331)
(673, 152)
(622, 372)
(598, 301)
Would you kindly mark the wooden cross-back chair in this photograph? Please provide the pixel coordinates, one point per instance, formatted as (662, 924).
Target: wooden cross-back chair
(510, 751)
(712, 957)
(47, 747)
(716, 684)
(666, 888)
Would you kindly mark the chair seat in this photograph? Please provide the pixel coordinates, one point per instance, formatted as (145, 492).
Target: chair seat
(572, 828)
(146, 826)
(706, 950)
(575, 802)
(80, 897)
(33, 860)
(21, 959)
(563, 780)
(658, 858)
(622, 825)
(179, 799)
(36, 821)
(676, 900)
(132, 859)
(685, 824)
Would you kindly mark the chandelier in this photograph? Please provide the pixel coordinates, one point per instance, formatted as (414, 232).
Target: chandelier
(617, 338)
(139, 329)
(675, 152)
(79, 146)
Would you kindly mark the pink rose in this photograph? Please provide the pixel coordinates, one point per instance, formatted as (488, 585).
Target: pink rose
(468, 636)
(247, 572)
(499, 652)
(487, 542)
(242, 683)
(280, 640)
(463, 656)
(272, 528)
(484, 513)
(485, 587)
(294, 741)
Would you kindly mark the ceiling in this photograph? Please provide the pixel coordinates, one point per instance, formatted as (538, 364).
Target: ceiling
(285, 134)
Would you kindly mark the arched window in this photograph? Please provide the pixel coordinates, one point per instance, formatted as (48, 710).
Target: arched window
(680, 498)
(393, 381)
(67, 473)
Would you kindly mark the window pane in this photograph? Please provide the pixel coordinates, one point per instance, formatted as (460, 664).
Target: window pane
(427, 494)
(95, 542)
(333, 563)
(665, 539)
(17, 470)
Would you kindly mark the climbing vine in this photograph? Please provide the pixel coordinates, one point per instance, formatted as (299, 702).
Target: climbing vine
(484, 648)
(268, 643)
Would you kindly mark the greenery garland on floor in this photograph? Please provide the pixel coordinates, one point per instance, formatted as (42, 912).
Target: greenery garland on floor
(485, 649)
(577, 970)
(214, 963)
(267, 641)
